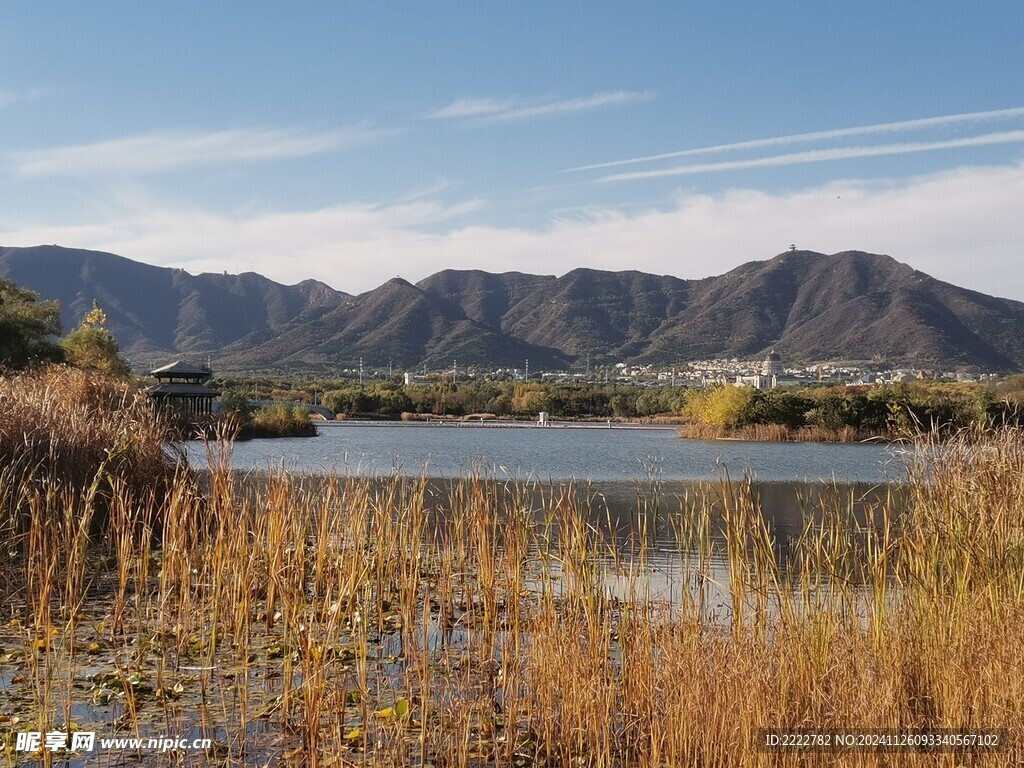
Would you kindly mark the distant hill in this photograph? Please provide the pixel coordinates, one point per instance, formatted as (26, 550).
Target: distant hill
(809, 306)
(156, 311)
(608, 314)
(397, 323)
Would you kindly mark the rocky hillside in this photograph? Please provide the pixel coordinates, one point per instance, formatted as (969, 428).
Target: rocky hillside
(809, 306)
(156, 311)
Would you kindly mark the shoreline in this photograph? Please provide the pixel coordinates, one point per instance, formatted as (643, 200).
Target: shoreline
(453, 423)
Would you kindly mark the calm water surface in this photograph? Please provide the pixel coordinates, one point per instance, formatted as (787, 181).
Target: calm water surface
(558, 454)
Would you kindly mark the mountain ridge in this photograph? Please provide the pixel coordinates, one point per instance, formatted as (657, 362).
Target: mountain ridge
(161, 309)
(808, 305)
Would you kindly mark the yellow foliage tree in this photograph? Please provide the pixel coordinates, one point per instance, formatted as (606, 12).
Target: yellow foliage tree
(721, 406)
(96, 318)
(529, 398)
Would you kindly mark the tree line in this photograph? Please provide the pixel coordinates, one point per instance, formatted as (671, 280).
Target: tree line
(886, 409)
(500, 399)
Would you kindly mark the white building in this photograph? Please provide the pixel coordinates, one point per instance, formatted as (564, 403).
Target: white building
(773, 365)
(772, 371)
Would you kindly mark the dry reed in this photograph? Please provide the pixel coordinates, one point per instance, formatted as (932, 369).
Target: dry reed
(350, 621)
(775, 433)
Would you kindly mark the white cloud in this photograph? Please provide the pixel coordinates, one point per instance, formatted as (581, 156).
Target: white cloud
(820, 156)
(508, 110)
(962, 226)
(836, 133)
(152, 152)
(462, 108)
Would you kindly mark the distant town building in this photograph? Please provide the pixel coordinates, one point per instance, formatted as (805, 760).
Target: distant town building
(757, 381)
(182, 387)
(773, 365)
(772, 374)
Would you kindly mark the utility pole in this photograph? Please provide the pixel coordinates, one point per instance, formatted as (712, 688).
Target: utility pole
(454, 371)
(360, 371)
(527, 369)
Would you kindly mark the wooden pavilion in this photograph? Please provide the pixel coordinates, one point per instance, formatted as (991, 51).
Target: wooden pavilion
(182, 387)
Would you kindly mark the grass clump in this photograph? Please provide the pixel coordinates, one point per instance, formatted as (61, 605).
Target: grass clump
(277, 421)
(240, 419)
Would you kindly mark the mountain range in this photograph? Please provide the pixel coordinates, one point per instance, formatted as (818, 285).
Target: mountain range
(808, 306)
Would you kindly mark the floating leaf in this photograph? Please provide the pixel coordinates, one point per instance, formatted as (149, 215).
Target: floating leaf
(400, 711)
(173, 692)
(102, 696)
(274, 650)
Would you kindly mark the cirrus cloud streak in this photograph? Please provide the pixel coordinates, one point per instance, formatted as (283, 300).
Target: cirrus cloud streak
(821, 156)
(163, 151)
(512, 109)
(940, 121)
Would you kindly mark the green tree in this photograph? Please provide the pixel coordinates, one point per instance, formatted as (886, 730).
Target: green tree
(623, 405)
(775, 407)
(389, 399)
(234, 402)
(93, 347)
(27, 327)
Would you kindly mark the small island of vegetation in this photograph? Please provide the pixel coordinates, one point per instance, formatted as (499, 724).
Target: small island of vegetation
(846, 413)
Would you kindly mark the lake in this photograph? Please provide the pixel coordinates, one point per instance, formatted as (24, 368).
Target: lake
(556, 453)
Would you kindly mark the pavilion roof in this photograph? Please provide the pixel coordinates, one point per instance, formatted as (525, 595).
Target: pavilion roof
(178, 368)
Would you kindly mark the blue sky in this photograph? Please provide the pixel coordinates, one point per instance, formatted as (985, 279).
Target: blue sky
(353, 142)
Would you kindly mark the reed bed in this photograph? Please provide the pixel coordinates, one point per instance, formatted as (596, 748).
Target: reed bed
(278, 421)
(349, 621)
(777, 433)
(66, 431)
